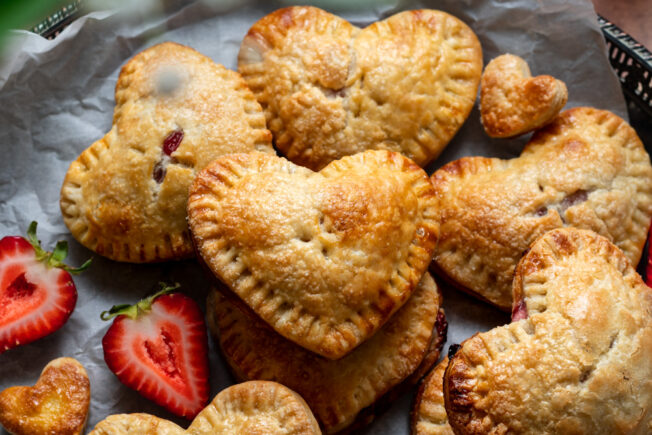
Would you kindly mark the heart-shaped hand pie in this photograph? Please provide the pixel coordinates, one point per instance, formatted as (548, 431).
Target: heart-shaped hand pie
(578, 361)
(325, 258)
(256, 407)
(337, 391)
(429, 412)
(56, 404)
(512, 102)
(588, 169)
(176, 110)
(330, 89)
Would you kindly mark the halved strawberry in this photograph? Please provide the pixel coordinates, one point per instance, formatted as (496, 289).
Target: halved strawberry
(37, 294)
(159, 347)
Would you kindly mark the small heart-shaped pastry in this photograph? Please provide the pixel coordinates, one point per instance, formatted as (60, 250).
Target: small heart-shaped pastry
(176, 111)
(325, 258)
(347, 390)
(56, 404)
(251, 408)
(330, 89)
(577, 361)
(588, 169)
(429, 412)
(512, 102)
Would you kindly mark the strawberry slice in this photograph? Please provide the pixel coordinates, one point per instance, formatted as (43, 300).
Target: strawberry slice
(159, 348)
(37, 294)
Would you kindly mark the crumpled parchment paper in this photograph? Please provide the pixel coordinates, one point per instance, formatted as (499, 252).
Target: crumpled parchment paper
(56, 98)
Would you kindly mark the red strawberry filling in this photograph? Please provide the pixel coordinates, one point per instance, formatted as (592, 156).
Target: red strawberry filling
(172, 142)
(519, 312)
(170, 145)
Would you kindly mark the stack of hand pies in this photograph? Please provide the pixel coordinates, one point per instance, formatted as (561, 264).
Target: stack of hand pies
(320, 259)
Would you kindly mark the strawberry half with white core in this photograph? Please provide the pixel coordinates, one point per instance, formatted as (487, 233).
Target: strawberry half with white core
(37, 294)
(159, 348)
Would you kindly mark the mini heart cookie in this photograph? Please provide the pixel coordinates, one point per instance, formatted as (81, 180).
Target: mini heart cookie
(330, 89)
(176, 111)
(512, 102)
(56, 404)
(429, 412)
(326, 257)
(576, 358)
(588, 169)
(347, 391)
(256, 407)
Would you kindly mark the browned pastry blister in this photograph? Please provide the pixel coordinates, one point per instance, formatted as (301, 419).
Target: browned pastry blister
(429, 411)
(250, 408)
(57, 404)
(324, 258)
(588, 169)
(330, 89)
(347, 391)
(577, 361)
(125, 196)
(512, 102)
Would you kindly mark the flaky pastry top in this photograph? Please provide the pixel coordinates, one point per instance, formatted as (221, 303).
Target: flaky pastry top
(330, 89)
(57, 404)
(251, 408)
(512, 102)
(324, 258)
(588, 169)
(336, 391)
(429, 411)
(577, 362)
(125, 196)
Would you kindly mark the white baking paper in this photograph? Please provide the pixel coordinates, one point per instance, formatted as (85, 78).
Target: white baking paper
(56, 98)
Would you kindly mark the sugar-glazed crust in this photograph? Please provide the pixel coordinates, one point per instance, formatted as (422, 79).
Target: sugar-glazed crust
(124, 197)
(325, 258)
(330, 89)
(512, 102)
(577, 362)
(57, 404)
(588, 169)
(339, 391)
(429, 412)
(256, 407)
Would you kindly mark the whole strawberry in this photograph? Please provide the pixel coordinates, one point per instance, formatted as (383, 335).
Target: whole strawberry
(159, 348)
(37, 294)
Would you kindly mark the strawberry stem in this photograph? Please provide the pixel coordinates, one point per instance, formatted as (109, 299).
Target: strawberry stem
(143, 306)
(56, 257)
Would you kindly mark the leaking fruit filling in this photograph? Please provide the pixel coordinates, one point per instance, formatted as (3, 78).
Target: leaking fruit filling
(519, 312)
(172, 142)
(170, 145)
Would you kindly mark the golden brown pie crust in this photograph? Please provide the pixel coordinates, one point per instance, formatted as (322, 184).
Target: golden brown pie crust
(325, 258)
(338, 391)
(251, 408)
(110, 198)
(578, 361)
(57, 404)
(330, 89)
(429, 412)
(512, 102)
(587, 169)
